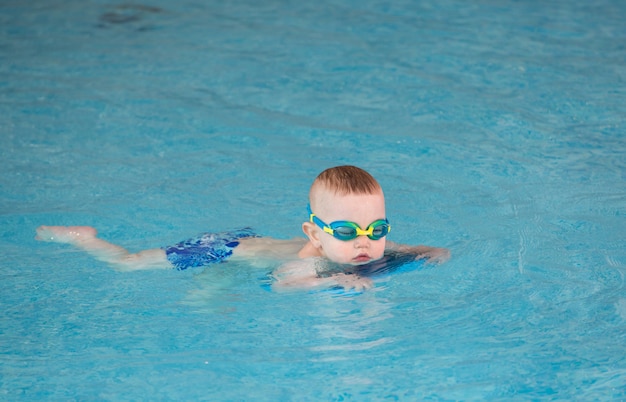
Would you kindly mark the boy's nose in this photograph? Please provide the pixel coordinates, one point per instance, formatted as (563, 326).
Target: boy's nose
(361, 242)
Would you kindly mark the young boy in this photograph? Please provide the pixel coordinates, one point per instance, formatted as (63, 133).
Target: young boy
(347, 225)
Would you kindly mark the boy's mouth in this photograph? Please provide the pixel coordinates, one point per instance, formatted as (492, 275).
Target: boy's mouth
(362, 258)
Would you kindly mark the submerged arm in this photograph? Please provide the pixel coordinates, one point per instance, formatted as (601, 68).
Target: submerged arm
(435, 255)
(301, 274)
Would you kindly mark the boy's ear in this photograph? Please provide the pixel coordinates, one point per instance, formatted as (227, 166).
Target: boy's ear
(310, 230)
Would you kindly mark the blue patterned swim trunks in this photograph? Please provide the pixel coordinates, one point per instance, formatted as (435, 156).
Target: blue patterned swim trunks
(207, 248)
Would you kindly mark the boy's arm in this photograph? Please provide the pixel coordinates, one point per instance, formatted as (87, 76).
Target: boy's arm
(435, 255)
(301, 274)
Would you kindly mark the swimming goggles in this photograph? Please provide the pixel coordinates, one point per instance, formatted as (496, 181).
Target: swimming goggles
(346, 230)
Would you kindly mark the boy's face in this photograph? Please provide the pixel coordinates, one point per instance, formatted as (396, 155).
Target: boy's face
(358, 208)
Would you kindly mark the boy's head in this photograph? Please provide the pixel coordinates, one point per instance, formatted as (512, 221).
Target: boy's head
(345, 180)
(347, 193)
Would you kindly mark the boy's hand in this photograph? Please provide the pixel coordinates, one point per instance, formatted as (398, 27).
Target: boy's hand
(436, 255)
(355, 282)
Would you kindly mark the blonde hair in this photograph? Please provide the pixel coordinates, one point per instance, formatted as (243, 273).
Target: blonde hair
(347, 180)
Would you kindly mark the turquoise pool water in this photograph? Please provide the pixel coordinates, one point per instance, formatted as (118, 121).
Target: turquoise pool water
(496, 129)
